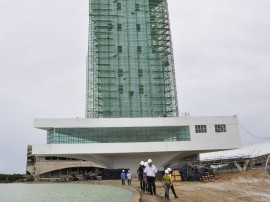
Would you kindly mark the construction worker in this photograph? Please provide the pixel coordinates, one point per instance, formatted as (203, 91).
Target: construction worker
(172, 188)
(140, 175)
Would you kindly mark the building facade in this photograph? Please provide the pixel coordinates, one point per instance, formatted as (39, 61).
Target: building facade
(121, 143)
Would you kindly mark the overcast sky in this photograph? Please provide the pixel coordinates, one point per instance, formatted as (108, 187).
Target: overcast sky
(221, 51)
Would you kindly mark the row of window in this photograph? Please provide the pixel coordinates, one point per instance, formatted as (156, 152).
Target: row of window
(119, 6)
(114, 135)
(219, 128)
(121, 90)
(119, 27)
(120, 49)
(52, 158)
(120, 73)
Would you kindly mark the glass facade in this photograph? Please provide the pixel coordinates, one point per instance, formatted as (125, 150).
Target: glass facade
(118, 135)
(130, 69)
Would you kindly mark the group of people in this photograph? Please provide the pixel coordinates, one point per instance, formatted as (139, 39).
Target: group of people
(147, 176)
(125, 176)
(147, 173)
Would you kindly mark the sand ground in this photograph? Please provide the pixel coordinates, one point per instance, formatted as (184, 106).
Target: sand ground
(252, 185)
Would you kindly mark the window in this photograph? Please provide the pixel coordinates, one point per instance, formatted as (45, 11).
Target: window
(139, 49)
(220, 128)
(119, 27)
(200, 129)
(141, 89)
(140, 73)
(131, 93)
(120, 72)
(137, 7)
(120, 89)
(118, 6)
(109, 26)
(129, 134)
(119, 49)
(138, 27)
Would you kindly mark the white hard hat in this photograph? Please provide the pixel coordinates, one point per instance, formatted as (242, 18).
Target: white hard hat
(123, 171)
(149, 161)
(169, 169)
(142, 162)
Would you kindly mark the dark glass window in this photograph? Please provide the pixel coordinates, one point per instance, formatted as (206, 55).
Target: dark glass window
(200, 129)
(119, 27)
(139, 49)
(120, 72)
(141, 89)
(119, 49)
(131, 93)
(140, 72)
(120, 89)
(119, 6)
(138, 27)
(220, 128)
(137, 7)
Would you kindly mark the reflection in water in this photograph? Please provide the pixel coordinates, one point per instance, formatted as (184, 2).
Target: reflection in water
(63, 193)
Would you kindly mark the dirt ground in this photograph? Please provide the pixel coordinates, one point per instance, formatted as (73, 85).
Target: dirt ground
(252, 185)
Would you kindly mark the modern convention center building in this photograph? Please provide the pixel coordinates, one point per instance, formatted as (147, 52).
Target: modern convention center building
(131, 101)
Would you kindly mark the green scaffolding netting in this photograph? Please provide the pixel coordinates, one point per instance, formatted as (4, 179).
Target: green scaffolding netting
(130, 70)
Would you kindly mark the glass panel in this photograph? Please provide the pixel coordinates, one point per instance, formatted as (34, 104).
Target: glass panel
(114, 135)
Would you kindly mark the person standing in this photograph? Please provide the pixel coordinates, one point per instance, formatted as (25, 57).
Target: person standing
(123, 177)
(151, 172)
(140, 175)
(129, 177)
(172, 187)
(166, 179)
(145, 186)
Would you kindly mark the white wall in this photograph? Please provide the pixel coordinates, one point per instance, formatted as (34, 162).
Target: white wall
(118, 155)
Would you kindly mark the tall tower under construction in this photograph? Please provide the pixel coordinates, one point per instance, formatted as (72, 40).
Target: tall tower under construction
(130, 69)
(131, 102)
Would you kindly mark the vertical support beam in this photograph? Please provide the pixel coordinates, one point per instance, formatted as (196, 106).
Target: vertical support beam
(267, 161)
(238, 166)
(245, 165)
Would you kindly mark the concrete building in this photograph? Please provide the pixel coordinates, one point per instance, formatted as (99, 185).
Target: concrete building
(120, 143)
(131, 101)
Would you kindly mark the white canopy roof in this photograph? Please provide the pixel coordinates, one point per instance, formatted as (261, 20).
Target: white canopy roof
(250, 150)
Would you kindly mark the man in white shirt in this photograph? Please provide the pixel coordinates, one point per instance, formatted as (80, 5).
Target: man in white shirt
(150, 172)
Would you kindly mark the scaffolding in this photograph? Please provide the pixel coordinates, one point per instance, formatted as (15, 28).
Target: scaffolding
(130, 67)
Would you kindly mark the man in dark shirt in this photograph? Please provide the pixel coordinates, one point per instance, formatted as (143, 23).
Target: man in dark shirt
(140, 175)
